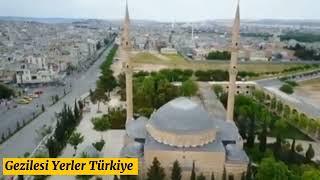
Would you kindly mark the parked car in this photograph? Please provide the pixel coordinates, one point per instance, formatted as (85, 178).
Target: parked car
(38, 92)
(23, 101)
(28, 98)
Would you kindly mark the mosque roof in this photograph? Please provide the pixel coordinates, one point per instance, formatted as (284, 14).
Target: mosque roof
(182, 123)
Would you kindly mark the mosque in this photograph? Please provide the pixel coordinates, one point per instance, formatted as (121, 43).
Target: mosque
(183, 130)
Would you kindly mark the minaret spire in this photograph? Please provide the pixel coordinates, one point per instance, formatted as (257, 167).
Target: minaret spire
(125, 55)
(233, 69)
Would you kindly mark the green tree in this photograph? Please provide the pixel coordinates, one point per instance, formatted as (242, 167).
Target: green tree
(176, 171)
(286, 88)
(5, 92)
(201, 177)
(155, 172)
(270, 169)
(100, 95)
(74, 140)
(212, 176)
(263, 134)
(53, 148)
(43, 108)
(76, 111)
(99, 145)
(101, 124)
(253, 113)
(218, 90)
(309, 153)
(280, 126)
(293, 146)
(189, 88)
(193, 172)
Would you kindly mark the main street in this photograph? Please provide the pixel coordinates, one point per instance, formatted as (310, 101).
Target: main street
(27, 139)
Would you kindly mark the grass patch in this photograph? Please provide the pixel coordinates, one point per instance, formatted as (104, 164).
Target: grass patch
(177, 61)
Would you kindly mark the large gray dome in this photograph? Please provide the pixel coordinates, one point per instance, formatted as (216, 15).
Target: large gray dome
(182, 123)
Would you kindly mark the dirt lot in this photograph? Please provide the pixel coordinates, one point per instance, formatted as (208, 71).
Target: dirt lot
(311, 90)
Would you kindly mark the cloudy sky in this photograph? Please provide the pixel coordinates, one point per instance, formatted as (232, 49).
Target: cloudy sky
(163, 10)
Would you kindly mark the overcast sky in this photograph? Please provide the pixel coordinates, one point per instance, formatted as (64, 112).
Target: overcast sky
(163, 10)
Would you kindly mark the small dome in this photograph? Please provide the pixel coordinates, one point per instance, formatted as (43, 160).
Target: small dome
(137, 128)
(182, 123)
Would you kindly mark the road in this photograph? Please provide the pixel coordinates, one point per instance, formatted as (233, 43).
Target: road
(27, 139)
(10, 118)
(273, 85)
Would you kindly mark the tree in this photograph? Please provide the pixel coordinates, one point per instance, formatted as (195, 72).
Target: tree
(263, 134)
(101, 124)
(212, 176)
(3, 138)
(43, 108)
(53, 148)
(218, 90)
(252, 112)
(249, 172)
(293, 146)
(309, 153)
(189, 88)
(286, 88)
(74, 140)
(193, 172)
(81, 106)
(155, 172)
(98, 46)
(5, 92)
(99, 145)
(270, 169)
(293, 150)
(76, 111)
(91, 95)
(176, 171)
(279, 127)
(100, 94)
(218, 55)
(201, 177)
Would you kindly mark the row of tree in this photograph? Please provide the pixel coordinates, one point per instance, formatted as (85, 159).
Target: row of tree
(290, 115)
(178, 75)
(300, 36)
(107, 82)
(304, 53)
(151, 91)
(156, 172)
(270, 168)
(67, 120)
(262, 116)
(219, 55)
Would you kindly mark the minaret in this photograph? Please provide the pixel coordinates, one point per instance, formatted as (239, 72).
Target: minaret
(125, 55)
(233, 70)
